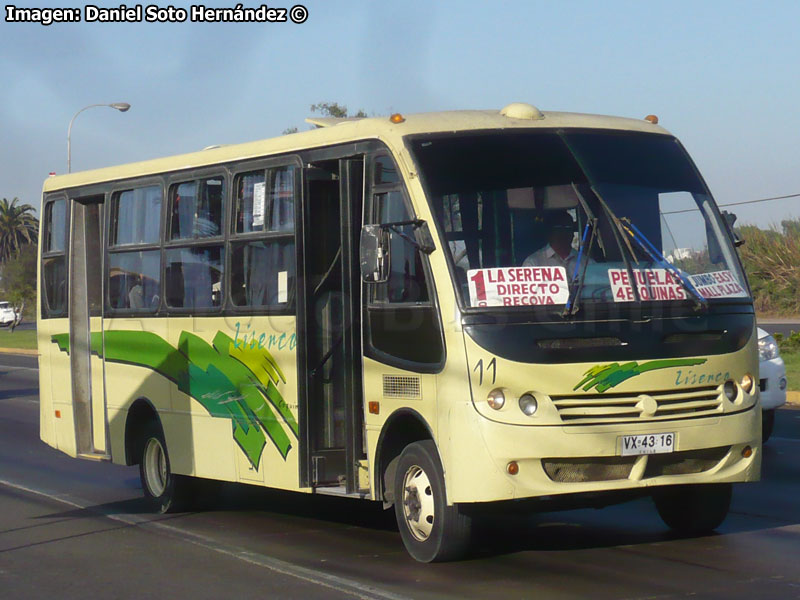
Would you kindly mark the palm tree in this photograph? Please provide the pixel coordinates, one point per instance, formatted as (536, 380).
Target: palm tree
(18, 226)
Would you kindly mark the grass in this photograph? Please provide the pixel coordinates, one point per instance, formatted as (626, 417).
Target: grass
(792, 360)
(21, 338)
(770, 257)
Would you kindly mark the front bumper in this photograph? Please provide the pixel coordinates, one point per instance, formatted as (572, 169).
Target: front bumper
(574, 459)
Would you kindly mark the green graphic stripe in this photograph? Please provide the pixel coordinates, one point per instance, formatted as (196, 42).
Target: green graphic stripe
(206, 357)
(239, 387)
(604, 377)
(260, 365)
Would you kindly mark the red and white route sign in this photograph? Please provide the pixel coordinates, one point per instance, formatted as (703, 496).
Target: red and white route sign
(518, 286)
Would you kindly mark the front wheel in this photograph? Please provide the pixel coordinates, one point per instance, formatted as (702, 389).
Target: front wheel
(431, 530)
(694, 509)
(164, 490)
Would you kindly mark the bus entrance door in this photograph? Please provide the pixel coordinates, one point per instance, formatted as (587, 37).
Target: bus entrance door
(86, 327)
(330, 326)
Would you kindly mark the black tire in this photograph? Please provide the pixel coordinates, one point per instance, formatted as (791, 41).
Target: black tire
(767, 424)
(431, 530)
(164, 490)
(694, 509)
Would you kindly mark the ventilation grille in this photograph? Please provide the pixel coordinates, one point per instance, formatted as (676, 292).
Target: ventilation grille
(589, 469)
(583, 470)
(397, 386)
(591, 409)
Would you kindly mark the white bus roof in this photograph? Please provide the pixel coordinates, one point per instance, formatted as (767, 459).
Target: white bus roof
(332, 131)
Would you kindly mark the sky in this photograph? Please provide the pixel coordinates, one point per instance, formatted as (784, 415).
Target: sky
(721, 76)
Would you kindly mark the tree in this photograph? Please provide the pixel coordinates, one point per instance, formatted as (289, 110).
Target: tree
(19, 278)
(18, 227)
(334, 109)
(329, 109)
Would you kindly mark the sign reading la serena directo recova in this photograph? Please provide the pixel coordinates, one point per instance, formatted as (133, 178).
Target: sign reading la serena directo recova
(518, 286)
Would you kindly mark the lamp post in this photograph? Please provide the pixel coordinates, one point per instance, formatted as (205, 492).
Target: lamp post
(120, 106)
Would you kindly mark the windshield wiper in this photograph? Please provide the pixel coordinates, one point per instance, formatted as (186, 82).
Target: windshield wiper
(654, 253)
(576, 282)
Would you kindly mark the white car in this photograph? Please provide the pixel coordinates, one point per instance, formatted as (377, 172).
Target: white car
(772, 380)
(7, 314)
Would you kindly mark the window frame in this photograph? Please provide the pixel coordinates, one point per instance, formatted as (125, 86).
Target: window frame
(46, 311)
(172, 180)
(117, 188)
(369, 303)
(286, 236)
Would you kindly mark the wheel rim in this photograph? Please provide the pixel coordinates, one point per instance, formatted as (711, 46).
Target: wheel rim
(155, 467)
(418, 503)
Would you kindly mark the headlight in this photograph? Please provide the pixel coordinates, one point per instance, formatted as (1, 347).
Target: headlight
(747, 383)
(528, 404)
(496, 399)
(767, 348)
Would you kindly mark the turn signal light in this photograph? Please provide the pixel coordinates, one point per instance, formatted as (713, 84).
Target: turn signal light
(58, 414)
(512, 468)
(747, 452)
(397, 118)
(374, 407)
(747, 383)
(652, 119)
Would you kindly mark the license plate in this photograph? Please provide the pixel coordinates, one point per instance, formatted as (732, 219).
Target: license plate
(654, 443)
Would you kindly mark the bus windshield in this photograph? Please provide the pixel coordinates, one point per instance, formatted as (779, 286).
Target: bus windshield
(547, 218)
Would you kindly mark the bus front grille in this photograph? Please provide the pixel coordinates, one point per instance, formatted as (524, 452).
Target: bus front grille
(593, 409)
(584, 470)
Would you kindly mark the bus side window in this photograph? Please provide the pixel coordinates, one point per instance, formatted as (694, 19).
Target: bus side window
(403, 323)
(262, 246)
(54, 272)
(134, 265)
(194, 276)
(407, 277)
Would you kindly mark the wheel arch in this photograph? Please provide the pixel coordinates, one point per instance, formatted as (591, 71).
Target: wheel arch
(141, 412)
(403, 427)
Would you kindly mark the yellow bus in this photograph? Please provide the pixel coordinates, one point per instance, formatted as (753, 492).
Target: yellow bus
(445, 312)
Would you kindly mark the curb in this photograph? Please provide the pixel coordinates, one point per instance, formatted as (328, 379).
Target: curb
(26, 351)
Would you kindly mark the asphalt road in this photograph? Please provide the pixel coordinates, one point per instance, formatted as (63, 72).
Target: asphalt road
(77, 529)
(782, 326)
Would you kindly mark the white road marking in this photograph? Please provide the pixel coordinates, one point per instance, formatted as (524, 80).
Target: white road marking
(341, 584)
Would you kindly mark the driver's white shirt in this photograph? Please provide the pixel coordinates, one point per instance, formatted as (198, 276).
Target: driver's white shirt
(547, 257)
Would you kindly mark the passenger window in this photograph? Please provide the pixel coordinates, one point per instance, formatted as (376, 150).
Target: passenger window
(194, 277)
(262, 272)
(136, 216)
(134, 280)
(196, 209)
(265, 200)
(54, 270)
(54, 273)
(407, 277)
(55, 226)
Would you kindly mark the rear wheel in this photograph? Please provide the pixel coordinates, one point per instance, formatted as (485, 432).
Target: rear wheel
(164, 490)
(767, 424)
(431, 530)
(694, 509)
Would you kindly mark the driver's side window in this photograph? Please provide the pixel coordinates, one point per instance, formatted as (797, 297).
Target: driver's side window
(406, 281)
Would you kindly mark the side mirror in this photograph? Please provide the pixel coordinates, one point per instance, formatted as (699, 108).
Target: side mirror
(424, 238)
(730, 219)
(374, 254)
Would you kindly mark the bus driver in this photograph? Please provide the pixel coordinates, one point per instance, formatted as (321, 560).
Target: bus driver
(558, 252)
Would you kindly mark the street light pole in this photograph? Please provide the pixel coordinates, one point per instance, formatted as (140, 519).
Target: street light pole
(120, 106)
